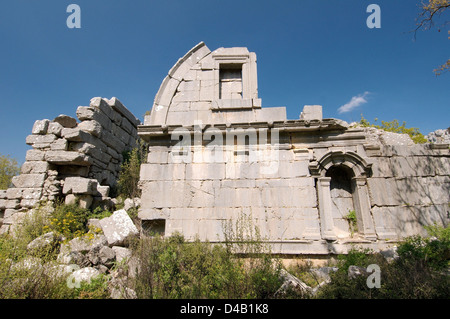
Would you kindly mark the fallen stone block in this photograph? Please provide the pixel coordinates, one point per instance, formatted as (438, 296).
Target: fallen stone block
(122, 253)
(83, 245)
(84, 274)
(118, 228)
(102, 255)
(42, 242)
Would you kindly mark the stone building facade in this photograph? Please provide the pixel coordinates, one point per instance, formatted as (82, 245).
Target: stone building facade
(312, 185)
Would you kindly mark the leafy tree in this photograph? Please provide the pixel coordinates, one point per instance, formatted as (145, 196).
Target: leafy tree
(395, 127)
(431, 10)
(8, 169)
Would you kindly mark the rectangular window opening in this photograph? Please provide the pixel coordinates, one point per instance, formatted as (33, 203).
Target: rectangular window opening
(230, 81)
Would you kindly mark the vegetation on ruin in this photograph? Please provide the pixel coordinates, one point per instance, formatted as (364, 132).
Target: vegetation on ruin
(8, 169)
(394, 127)
(242, 267)
(128, 181)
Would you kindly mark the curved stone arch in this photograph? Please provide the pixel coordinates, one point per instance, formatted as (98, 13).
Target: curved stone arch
(357, 165)
(168, 88)
(359, 170)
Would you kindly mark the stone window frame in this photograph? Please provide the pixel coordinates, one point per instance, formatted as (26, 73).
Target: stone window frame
(247, 63)
(359, 170)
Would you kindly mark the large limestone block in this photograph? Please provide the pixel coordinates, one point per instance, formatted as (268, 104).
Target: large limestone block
(75, 134)
(35, 155)
(90, 113)
(40, 127)
(68, 158)
(40, 139)
(311, 112)
(61, 144)
(91, 126)
(118, 228)
(83, 245)
(119, 107)
(55, 128)
(84, 275)
(29, 180)
(66, 121)
(80, 185)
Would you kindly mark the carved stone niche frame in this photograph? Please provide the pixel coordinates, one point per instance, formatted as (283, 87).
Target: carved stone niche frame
(359, 170)
(242, 59)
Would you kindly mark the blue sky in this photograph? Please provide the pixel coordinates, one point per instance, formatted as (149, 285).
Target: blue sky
(309, 52)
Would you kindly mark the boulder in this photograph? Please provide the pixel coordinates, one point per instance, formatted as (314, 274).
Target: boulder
(102, 255)
(73, 257)
(118, 228)
(85, 274)
(42, 242)
(122, 253)
(84, 245)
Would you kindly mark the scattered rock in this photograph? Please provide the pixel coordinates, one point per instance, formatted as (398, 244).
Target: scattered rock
(85, 274)
(44, 241)
(118, 228)
(122, 253)
(102, 255)
(355, 271)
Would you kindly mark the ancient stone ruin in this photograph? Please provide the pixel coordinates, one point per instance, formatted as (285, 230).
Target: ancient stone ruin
(312, 185)
(72, 161)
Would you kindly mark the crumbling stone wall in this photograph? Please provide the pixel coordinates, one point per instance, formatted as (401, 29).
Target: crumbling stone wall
(71, 160)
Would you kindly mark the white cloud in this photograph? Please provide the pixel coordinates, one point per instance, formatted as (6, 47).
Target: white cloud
(354, 103)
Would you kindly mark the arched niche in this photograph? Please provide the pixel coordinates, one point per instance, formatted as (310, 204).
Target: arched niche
(356, 170)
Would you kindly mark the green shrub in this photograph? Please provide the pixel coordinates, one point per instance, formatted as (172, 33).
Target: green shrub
(127, 184)
(69, 220)
(395, 127)
(174, 268)
(420, 271)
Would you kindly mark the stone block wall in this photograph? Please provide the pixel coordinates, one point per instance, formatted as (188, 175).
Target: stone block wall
(300, 200)
(72, 160)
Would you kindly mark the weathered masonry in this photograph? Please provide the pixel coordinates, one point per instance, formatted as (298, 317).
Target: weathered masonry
(71, 161)
(215, 154)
